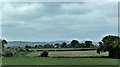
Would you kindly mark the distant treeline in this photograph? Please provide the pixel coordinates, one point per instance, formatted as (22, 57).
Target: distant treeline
(73, 44)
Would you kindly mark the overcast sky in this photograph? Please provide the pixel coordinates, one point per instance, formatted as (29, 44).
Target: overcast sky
(59, 21)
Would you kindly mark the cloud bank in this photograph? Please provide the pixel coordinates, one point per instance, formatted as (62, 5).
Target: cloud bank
(59, 21)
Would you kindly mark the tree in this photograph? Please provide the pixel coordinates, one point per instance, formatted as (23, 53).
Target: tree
(44, 54)
(111, 44)
(47, 46)
(36, 46)
(3, 43)
(26, 46)
(100, 47)
(57, 45)
(64, 45)
(82, 45)
(74, 43)
(40, 46)
(51, 46)
(88, 44)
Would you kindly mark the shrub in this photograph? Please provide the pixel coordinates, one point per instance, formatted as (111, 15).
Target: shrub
(21, 50)
(44, 54)
(8, 54)
(27, 49)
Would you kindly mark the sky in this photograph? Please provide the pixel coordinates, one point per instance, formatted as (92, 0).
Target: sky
(59, 21)
(59, 0)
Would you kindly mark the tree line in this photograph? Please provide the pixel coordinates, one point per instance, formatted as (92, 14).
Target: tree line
(73, 44)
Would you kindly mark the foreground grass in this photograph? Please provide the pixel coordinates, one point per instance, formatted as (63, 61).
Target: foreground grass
(57, 61)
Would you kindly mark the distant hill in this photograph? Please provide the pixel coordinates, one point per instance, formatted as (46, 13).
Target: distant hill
(24, 43)
(60, 42)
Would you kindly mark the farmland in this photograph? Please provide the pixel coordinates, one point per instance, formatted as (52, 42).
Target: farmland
(70, 53)
(58, 61)
(87, 57)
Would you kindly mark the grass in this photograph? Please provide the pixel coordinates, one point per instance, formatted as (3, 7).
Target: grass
(55, 58)
(69, 53)
(58, 61)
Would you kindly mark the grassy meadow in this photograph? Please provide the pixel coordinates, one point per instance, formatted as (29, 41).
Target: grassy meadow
(58, 61)
(70, 53)
(87, 57)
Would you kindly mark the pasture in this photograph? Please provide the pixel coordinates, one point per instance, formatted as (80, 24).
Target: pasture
(58, 61)
(59, 56)
(91, 53)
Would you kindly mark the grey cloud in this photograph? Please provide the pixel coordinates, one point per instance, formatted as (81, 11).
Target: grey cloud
(59, 21)
(32, 11)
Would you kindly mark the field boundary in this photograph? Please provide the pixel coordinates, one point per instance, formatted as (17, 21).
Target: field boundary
(60, 66)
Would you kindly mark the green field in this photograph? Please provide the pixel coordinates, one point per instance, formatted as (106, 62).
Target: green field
(69, 53)
(87, 57)
(58, 61)
(61, 58)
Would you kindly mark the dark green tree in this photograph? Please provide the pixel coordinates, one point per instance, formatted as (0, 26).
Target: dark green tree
(26, 46)
(36, 46)
(100, 47)
(64, 45)
(57, 45)
(74, 44)
(44, 54)
(88, 44)
(4, 42)
(51, 46)
(47, 46)
(111, 44)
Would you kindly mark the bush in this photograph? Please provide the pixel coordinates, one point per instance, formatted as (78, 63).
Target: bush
(44, 54)
(8, 54)
(21, 50)
(27, 49)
